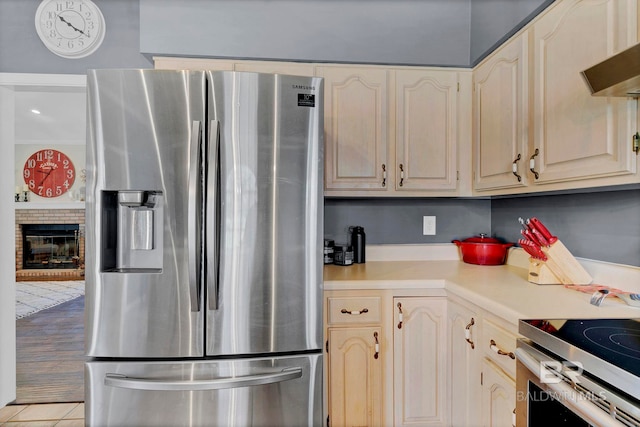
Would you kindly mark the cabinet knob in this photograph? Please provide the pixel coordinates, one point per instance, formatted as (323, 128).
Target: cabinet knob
(401, 175)
(354, 312)
(494, 347)
(377, 346)
(467, 333)
(384, 175)
(514, 167)
(532, 163)
(400, 315)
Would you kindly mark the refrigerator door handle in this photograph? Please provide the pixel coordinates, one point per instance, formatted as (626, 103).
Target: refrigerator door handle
(164, 384)
(193, 222)
(213, 214)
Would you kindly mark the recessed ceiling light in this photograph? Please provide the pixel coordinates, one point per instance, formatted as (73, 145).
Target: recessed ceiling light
(35, 111)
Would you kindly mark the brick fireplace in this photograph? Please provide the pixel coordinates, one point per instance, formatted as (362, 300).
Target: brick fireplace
(70, 250)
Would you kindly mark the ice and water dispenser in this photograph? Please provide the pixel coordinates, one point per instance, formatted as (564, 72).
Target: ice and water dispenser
(132, 231)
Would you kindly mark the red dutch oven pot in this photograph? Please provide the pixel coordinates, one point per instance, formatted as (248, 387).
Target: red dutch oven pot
(483, 250)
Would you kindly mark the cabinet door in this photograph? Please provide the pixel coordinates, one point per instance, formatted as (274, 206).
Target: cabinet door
(577, 135)
(465, 356)
(420, 361)
(426, 129)
(500, 117)
(355, 377)
(355, 128)
(498, 396)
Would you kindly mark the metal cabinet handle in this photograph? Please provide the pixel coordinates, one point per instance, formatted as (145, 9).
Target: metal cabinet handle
(467, 333)
(532, 163)
(401, 175)
(354, 312)
(494, 347)
(400, 315)
(163, 384)
(384, 175)
(377, 346)
(514, 167)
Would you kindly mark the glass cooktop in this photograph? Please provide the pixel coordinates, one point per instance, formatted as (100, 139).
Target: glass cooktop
(608, 349)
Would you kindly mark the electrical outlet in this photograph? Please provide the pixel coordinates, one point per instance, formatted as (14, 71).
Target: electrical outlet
(429, 225)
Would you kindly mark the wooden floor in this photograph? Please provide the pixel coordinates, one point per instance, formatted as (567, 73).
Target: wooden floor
(50, 354)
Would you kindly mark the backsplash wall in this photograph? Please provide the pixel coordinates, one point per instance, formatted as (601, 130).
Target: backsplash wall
(388, 221)
(602, 226)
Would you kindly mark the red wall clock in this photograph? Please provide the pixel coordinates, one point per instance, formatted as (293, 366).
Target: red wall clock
(49, 173)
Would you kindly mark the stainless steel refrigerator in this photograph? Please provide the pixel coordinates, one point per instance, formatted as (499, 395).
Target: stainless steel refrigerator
(203, 249)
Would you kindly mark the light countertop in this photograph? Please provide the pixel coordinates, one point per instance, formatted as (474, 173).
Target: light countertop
(502, 290)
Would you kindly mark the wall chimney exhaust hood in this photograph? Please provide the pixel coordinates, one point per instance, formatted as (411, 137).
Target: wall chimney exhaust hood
(618, 75)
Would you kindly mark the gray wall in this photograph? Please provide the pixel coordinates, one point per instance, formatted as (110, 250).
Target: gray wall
(593, 225)
(400, 220)
(21, 51)
(603, 226)
(494, 21)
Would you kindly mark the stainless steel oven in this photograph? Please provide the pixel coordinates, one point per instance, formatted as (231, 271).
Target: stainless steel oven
(578, 373)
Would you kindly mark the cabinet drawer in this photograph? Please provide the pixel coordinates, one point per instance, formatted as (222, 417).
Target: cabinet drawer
(499, 346)
(354, 310)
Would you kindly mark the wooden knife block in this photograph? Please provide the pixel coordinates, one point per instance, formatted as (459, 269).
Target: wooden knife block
(559, 268)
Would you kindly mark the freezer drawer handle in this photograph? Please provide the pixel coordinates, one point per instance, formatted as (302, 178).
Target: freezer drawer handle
(164, 384)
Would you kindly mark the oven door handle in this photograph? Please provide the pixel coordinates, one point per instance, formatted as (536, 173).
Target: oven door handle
(566, 395)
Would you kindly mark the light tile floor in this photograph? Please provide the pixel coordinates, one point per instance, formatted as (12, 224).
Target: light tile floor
(45, 415)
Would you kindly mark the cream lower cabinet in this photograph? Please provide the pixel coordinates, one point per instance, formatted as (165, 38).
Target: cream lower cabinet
(498, 396)
(386, 359)
(420, 361)
(355, 376)
(465, 386)
(482, 368)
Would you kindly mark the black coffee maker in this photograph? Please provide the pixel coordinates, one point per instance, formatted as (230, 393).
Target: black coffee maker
(358, 242)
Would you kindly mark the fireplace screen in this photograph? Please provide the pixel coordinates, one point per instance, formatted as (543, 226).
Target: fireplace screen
(50, 245)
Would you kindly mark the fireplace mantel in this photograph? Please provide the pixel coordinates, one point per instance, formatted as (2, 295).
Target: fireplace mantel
(56, 205)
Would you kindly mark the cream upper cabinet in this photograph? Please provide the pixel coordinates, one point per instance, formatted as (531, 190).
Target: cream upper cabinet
(465, 357)
(276, 67)
(420, 361)
(426, 129)
(356, 120)
(178, 63)
(576, 135)
(500, 117)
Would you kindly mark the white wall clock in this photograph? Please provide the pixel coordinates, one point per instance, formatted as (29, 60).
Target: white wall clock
(70, 28)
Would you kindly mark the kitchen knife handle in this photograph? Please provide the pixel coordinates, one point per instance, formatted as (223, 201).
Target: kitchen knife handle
(213, 223)
(163, 384)
(538, 225)
(194, 216)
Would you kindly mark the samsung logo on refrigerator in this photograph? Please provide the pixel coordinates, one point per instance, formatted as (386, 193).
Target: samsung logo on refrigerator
(303, 87)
